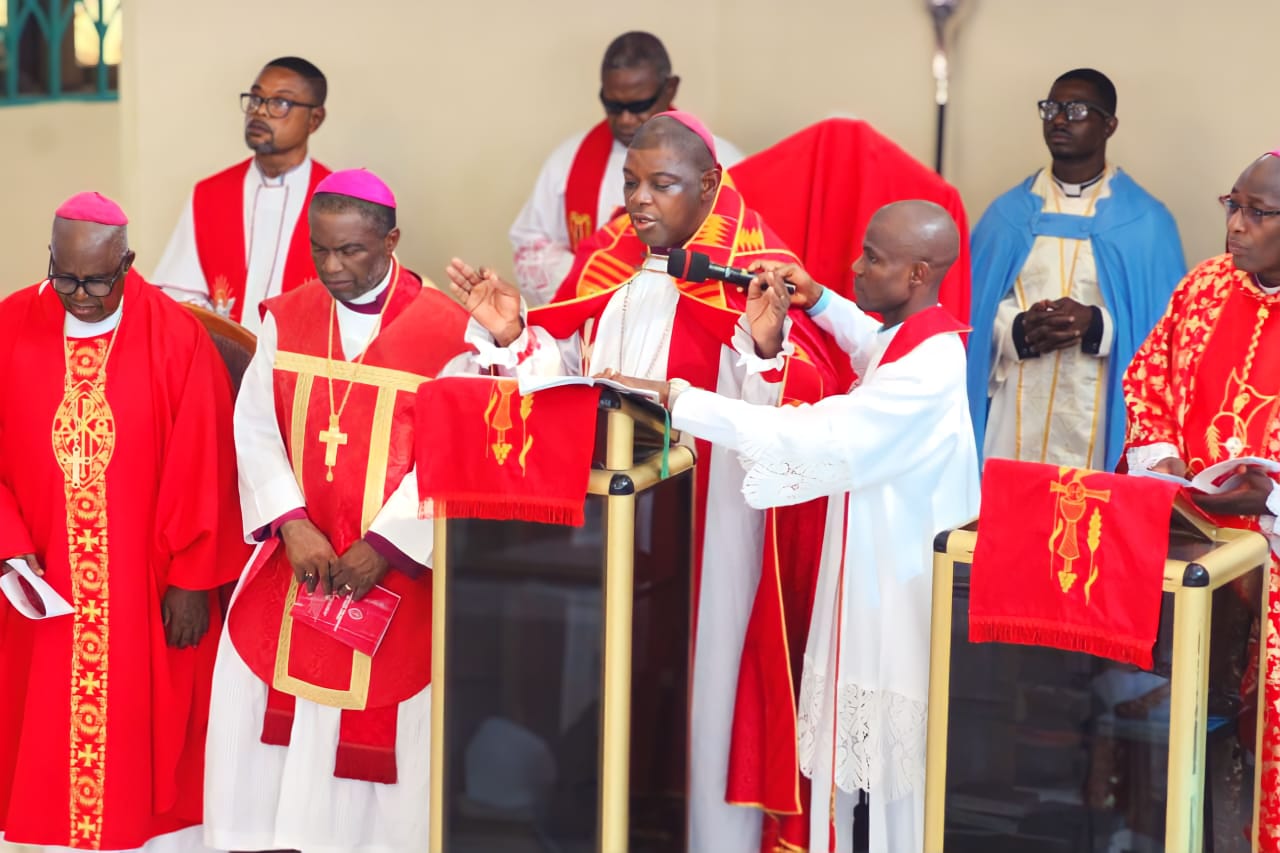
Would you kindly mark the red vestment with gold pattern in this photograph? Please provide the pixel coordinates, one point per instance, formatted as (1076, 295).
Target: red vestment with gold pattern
(1207, 381)
(117, 470)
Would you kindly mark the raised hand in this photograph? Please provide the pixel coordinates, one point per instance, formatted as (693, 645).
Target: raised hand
(493, 302)
(767, 304)
(807, 292)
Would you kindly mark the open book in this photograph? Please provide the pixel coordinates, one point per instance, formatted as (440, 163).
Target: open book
(529, 384)
(1217, 478)
(30, 594)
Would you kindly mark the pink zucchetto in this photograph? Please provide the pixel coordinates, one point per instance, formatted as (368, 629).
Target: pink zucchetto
(358, 183)
(692, 122)
(92, 207)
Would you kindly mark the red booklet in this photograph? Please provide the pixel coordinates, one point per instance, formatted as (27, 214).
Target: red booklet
(359, 624)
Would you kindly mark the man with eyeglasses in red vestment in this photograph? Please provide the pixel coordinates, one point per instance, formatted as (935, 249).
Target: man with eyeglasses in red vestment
(243, 236)
(1203, 389)
(118, 488)
(579, 189)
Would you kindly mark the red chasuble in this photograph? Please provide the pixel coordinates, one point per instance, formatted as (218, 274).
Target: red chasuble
(764, 769)
(582, 190)
(421, 331)
(117, 470)
(218, 207)
(1207, 381)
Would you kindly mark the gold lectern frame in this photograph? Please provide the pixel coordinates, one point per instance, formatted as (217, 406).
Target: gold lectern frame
(618, 482)
(1232, 554)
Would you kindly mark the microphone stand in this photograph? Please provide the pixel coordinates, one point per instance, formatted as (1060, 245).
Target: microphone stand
(941, 10)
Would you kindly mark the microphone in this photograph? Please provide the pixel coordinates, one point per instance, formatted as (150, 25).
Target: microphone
(697, 267)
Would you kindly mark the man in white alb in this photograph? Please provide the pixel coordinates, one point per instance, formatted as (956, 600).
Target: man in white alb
(580, 186)
(243, 235)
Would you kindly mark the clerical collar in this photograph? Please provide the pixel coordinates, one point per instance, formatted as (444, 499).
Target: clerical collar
(1269, 290)
(371, 302)
(74, 328)
(278, 180)
(1076, 190)
(654, 262)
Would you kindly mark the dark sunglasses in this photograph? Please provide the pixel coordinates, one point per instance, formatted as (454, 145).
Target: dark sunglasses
(636, 108)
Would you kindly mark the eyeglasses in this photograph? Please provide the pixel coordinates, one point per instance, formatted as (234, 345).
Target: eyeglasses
(1075, 110)
(276, 107)
(1253, 215)
(93, 286)
(636, 108)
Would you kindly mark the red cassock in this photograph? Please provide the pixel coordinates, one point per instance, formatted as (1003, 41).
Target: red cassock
(819, 187)
(121, 478)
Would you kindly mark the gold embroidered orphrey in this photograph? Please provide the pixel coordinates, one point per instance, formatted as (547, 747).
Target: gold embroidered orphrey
(499, 423)
(579, 227)
(84, 440)
(1069, 508)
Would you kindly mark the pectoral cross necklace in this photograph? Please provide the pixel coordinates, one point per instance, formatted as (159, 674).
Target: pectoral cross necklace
(333, 437)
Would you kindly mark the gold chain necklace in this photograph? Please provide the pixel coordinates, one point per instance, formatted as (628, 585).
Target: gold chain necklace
(333, 437)
(622, 335)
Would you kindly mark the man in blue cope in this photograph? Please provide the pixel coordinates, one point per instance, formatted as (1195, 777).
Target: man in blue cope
(1071, 269)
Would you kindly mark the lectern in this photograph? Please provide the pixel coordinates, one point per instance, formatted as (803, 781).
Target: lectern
(1033, 748)
(561, 660)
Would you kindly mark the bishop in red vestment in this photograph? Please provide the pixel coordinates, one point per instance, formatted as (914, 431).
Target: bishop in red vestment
(645, 324)
(243, 236)
(117, 482)
(312, 745)
(1205, 388)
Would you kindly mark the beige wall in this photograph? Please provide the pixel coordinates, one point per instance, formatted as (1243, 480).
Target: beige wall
(456, 104)
(48, 152)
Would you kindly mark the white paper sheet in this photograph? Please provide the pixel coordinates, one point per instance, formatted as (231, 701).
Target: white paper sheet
(10, 584)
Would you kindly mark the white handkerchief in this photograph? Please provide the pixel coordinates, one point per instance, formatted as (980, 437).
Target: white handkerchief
(11, 585)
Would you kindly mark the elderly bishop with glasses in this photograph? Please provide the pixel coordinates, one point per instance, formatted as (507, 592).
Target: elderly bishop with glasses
(118, 491)
(1071, 269)
(1203, 390)
(242, 237)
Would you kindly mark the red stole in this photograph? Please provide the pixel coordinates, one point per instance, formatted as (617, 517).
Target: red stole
(218, 207)
(582, 190)
(763, 767)
(421, 331)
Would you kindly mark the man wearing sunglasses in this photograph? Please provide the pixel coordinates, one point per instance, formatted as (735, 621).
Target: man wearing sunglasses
(580, 186)
(1203, 390)
(1071, 269)
(118, 488)
(243, 235)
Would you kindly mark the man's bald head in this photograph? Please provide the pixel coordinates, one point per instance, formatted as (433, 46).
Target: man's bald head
(1254, 242)
(919, 232)
(666, 132)
(906, 252)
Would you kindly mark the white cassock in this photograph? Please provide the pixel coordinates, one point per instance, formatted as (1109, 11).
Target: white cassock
(272, 207)
(1053, 408)
(733, 545)
(262, 797)
(900, 448)
(187, 840)
(540, 237)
